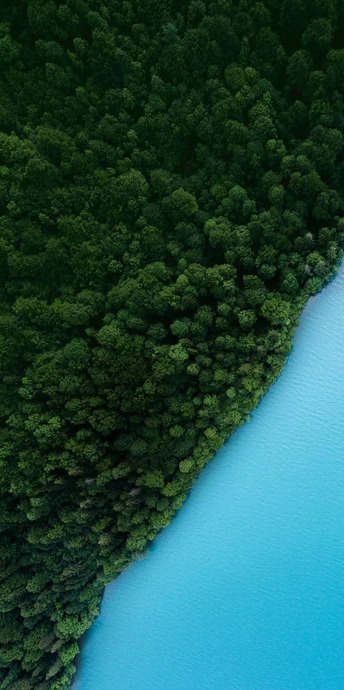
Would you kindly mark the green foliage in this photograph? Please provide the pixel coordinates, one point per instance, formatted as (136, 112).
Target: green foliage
(171, 185)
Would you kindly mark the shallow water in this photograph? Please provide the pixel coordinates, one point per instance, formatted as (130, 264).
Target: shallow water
(245, 589)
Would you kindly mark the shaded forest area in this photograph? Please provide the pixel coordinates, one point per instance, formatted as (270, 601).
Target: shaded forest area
(171, 193)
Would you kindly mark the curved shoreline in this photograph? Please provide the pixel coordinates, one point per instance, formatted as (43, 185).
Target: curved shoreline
(252, 496)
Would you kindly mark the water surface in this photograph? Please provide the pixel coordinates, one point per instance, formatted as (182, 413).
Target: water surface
(245, 589)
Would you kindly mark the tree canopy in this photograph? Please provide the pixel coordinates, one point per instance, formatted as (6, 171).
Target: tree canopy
(171, 182)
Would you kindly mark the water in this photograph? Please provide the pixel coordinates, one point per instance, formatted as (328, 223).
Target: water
(245, 589)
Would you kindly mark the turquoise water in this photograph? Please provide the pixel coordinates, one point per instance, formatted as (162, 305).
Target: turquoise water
(245, 589)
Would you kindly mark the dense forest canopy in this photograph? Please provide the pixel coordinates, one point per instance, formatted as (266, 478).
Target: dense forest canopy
(171, 193)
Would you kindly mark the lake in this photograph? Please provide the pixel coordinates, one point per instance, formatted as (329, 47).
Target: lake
(245, 589)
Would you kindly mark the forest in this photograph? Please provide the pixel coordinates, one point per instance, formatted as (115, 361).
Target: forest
(171, 181)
